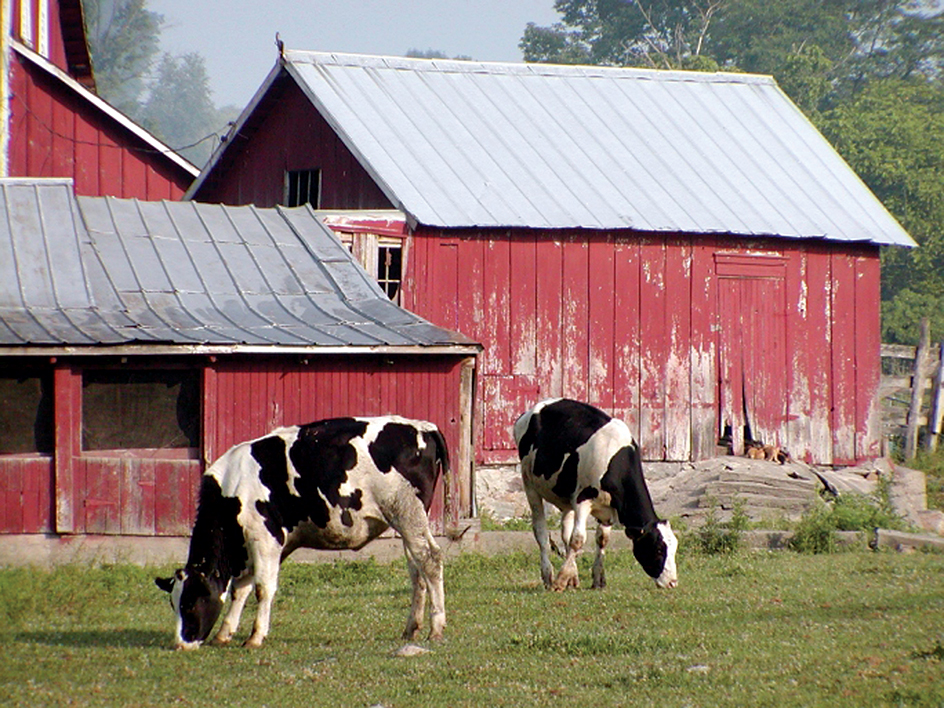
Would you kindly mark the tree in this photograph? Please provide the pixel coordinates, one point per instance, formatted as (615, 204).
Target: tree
(170, 97)
(179, 108)
(663, 33)
(892, 135)
(433, 54)
(124, 40)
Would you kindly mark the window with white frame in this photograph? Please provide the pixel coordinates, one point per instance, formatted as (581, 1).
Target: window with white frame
(381, 256)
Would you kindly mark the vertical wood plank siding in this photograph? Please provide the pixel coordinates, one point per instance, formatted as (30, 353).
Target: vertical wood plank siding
(670, 333)
(291, 136)
(256, 395)
(154, 492)
(56, 135)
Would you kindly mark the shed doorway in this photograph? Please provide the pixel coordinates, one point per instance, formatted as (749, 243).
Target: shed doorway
(752, 363)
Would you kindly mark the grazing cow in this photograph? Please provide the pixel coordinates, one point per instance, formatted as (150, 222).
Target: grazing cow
(334, 484)
(584, 462)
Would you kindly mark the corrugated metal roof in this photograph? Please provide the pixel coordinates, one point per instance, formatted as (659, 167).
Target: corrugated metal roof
(92, 271)
(465, 144)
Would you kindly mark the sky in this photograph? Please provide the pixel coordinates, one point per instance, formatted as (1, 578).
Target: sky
(237, 37)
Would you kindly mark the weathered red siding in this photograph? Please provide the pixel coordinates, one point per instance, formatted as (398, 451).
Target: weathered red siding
(54, 134)
(671, 333)
(291, 136)
(153, 492)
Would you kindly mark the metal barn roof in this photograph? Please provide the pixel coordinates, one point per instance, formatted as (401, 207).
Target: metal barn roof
(82, 272)
(466, 144)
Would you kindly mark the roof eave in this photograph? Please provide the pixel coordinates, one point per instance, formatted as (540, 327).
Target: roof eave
(63, 350)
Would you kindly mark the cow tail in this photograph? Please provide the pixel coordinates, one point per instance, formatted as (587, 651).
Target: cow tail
(442, 453)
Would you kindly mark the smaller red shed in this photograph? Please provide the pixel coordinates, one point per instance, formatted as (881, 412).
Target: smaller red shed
(140, 340)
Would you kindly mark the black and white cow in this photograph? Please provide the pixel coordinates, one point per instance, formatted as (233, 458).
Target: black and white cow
(584, 462)
(333, 484)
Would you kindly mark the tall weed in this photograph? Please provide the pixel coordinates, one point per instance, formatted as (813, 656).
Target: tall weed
(717, 537)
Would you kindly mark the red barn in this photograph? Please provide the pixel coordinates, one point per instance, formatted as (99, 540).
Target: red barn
(684, 250)
(139, 340)
(52, 124)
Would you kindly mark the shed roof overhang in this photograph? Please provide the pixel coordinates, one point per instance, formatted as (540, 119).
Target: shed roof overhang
(463, 349)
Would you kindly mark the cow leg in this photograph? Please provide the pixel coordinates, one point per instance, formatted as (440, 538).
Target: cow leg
(267, 582)
(418, 608)
(424, 554)
(240, 588)
(539, 528)
(576, 524)
(603, 538)
(567, 528)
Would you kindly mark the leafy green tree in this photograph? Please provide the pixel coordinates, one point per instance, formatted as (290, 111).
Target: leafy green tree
(179, 108)
(124, 40)
(168, 95)
(662, 33)
(892, 134)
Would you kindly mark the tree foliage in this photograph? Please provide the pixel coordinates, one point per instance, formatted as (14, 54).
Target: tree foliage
(124, 39)
(181, 88)
(867, 72)
(169, 95)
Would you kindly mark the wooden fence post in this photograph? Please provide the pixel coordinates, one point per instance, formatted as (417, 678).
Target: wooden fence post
(917, 391)
(936, 413)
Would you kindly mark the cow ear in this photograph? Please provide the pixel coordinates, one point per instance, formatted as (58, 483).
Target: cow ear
(635, 533)
(165, 584)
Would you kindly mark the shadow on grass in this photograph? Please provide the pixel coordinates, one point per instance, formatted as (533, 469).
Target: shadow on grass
(103, 638)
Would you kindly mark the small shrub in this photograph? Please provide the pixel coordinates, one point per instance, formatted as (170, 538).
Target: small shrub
(721, 537)
(816, 530)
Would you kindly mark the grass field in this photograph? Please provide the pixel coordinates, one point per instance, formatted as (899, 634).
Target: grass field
(752, 629)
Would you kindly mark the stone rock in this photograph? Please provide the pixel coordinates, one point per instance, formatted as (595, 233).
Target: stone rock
(907, 493)
(931, 520)
(769, 491)
(411, 650)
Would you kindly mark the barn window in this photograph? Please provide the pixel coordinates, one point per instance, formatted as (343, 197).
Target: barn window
(26, 424)
(303, 187)
(126, 409)
(381, 256)
(389, 260)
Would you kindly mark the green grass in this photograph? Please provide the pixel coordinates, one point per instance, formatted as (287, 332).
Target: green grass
(744, 629)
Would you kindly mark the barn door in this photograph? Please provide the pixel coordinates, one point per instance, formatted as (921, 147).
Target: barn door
(752, 367)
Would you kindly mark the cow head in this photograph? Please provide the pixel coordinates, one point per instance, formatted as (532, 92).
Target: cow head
(197, 600)
(654, 547)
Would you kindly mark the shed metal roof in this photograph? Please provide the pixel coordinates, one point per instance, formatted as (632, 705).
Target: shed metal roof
(473, 144)
(82, 272)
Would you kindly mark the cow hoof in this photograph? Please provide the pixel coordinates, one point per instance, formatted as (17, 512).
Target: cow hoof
(252, 643)
(186, 646)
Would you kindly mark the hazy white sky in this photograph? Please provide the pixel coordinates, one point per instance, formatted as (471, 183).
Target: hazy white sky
(237, 37)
